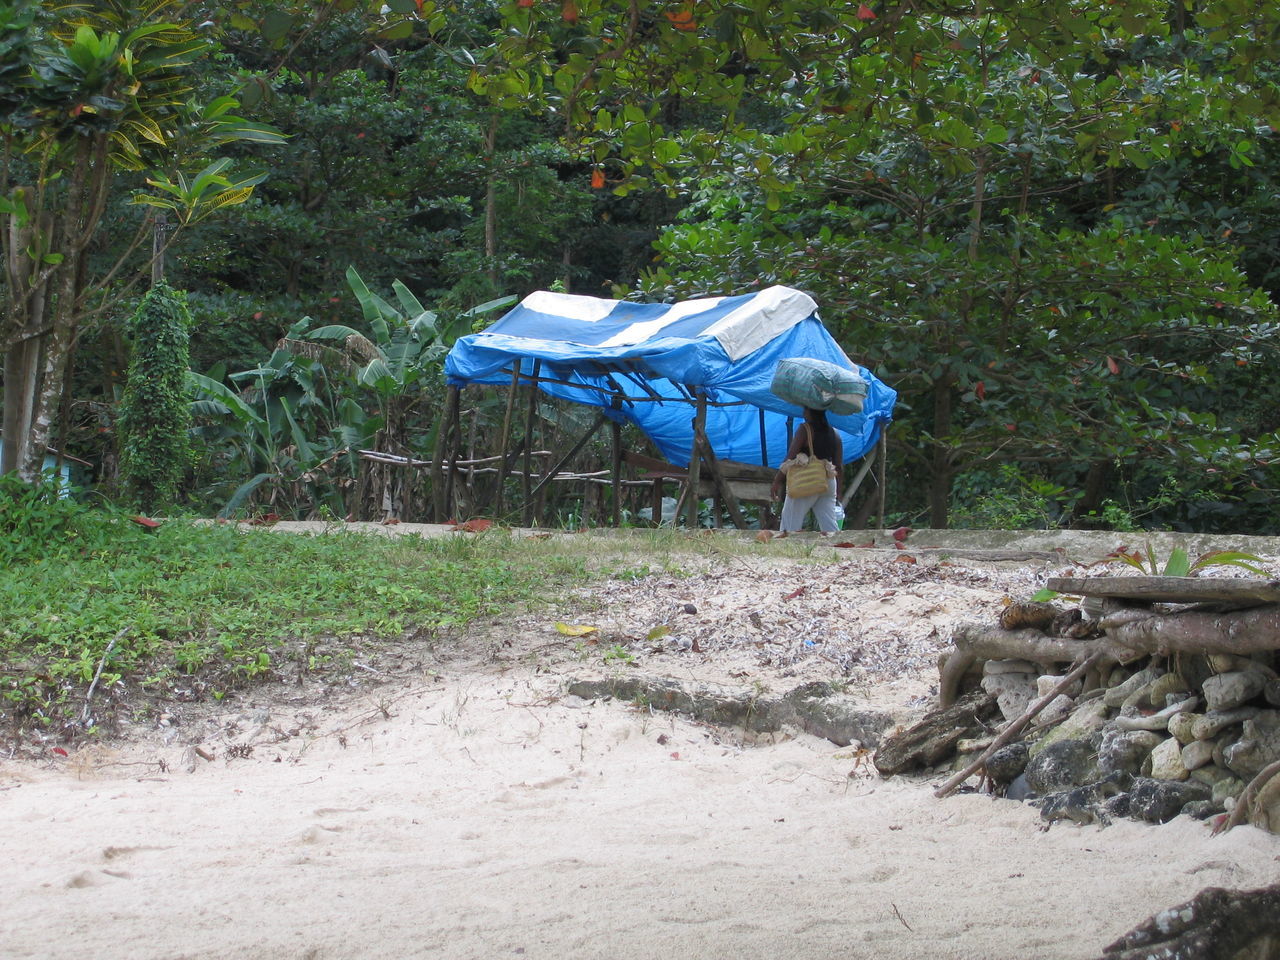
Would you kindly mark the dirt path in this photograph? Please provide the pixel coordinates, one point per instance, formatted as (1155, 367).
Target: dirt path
(468, 809)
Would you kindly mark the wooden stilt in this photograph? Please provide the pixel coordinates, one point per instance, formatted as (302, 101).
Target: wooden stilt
(438, 493)
(615, 430)
(883, 444)
(695, 461)
(856, 482)
(505, 439)
(455, 441)
(529, 420)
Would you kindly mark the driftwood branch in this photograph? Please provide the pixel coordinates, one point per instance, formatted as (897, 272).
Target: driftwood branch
(86, 715)
(1217, 924)
(1016, 727)
(995, 643)
(935, 737)
(952, 666)
(1242, 810)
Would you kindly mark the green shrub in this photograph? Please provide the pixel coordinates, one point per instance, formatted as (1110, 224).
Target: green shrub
(40, 521)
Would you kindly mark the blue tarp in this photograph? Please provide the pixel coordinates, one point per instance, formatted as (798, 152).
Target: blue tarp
(653, 354)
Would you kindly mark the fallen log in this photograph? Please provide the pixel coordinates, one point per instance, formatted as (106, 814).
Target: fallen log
(975, 642)
(994, 643)
(1237, 631)
(1216, 924)
(1127, 638)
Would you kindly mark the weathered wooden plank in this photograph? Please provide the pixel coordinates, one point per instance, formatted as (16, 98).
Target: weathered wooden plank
(1171, 589)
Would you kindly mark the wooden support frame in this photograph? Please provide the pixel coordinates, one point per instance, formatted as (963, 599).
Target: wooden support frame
(582, 442)
(438, 492)
(882, 444)
(615, 431)
(695, 461)
(505, 438)
(530, 416)
(451, 456)
(728, 490)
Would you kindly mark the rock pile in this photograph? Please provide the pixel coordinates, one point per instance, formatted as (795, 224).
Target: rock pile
(1167, 736)
(1181, 727)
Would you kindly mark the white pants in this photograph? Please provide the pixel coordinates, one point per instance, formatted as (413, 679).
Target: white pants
(823, 505)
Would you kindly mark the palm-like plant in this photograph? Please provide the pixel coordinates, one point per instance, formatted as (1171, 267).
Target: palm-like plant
(92, 88)
(298, 425)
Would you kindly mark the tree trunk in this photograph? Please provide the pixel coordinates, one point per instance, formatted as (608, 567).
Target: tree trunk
(491, 199)
(940, 481)
(22, 356)
(86, 193)
(1084, 514)
(51, 372)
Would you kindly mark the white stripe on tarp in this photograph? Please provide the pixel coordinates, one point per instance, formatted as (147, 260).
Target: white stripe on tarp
(645, 329)
(569, 306)
(769, 313)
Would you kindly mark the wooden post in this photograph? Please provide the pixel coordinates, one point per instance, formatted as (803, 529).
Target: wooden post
(455, 441)
(471, 456)
(615, 429)
(883, 444)
(852, 486)
(505, 439)
(530, 413)
(695, 460)
(728, 496)
(438, 454)
(655, 501)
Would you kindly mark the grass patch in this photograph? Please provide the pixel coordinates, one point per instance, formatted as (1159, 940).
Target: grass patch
(134, 608)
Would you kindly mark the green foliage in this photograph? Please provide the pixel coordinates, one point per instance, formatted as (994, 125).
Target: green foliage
(291, 436)
(209, 607)
(41, 523)
(155, 412)
(1009, 500)
(102, 97)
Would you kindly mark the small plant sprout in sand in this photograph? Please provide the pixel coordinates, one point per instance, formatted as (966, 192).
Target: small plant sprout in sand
(1180, 564)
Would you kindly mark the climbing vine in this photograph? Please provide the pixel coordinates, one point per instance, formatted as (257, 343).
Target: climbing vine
(154, 413)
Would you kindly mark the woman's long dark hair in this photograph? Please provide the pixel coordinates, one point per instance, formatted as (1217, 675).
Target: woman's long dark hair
(824, 435)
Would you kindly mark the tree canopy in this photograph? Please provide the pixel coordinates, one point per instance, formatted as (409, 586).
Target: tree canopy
(1046, 225)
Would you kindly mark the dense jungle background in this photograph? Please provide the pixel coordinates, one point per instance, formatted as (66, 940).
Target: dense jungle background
(1053, 233)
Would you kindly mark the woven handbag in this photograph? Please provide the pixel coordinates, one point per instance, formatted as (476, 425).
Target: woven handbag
(810, 479)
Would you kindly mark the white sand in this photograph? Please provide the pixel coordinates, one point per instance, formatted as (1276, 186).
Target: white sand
(485, 816)
(481, 820)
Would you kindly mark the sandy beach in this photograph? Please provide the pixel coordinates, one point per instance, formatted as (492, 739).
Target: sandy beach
(465, 807)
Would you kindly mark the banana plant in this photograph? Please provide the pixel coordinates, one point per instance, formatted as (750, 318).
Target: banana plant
(281, 432)
(398, 365)
(408, 343)
(296, 426)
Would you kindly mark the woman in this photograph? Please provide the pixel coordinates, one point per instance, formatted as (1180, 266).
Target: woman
(818, 438)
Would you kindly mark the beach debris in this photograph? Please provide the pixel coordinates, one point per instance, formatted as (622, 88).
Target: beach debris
(1175, 697)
